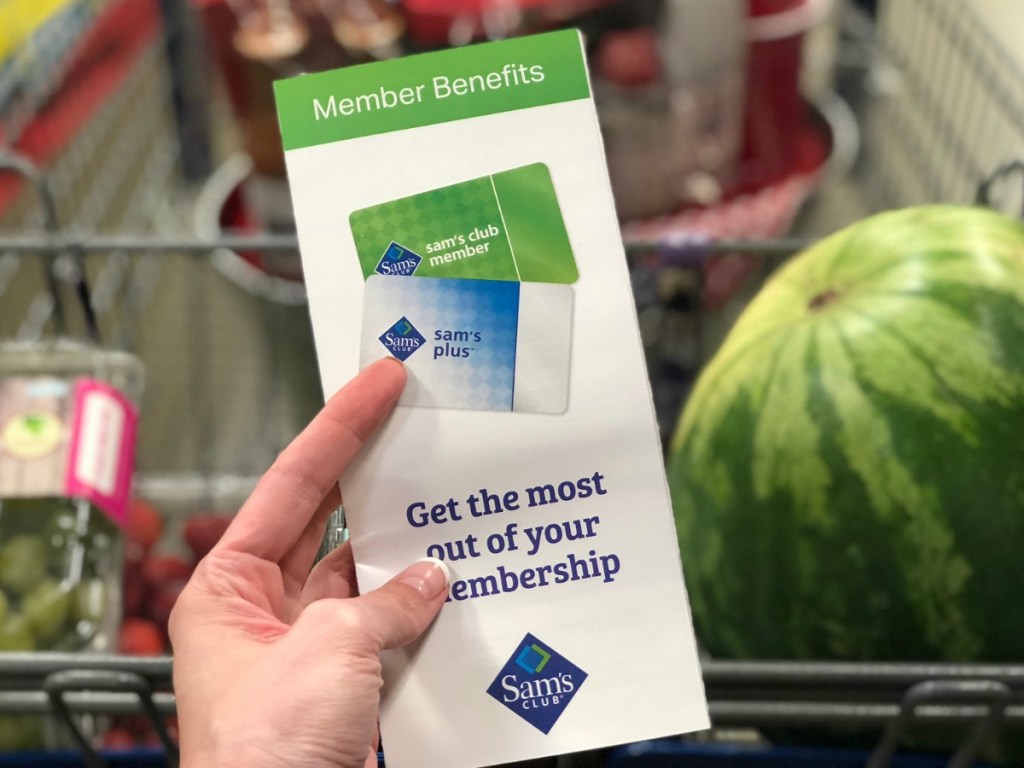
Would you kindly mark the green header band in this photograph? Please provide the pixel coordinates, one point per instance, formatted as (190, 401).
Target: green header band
(431, 88)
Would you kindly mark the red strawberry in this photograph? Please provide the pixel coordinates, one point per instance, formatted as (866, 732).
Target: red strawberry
(145, 525)
(161, 570)
(162, 602)
(134, 589)
(202, 532)
(139, 637)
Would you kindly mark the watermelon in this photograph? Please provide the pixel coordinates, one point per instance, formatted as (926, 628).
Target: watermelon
(848, 473)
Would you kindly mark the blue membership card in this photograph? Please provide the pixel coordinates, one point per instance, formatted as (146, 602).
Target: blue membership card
(475, 344)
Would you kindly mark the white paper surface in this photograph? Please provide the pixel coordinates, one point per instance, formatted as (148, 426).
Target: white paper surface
(630, 631)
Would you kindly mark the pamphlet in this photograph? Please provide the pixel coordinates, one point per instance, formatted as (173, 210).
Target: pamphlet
(454, 212)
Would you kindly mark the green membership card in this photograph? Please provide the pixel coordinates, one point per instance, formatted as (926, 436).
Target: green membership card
(503, 226)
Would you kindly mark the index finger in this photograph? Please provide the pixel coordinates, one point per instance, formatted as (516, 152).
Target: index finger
(270, 523)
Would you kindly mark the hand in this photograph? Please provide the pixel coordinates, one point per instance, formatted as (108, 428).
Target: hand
(275, 665)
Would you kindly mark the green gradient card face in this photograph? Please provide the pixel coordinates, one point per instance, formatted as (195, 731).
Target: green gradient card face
(505, 226)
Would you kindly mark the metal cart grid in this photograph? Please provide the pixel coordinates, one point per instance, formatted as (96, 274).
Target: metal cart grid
(159, 275)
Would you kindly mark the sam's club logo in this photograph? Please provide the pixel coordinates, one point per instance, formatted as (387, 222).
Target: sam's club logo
(537, 683)
(398, 260)
(402, 339)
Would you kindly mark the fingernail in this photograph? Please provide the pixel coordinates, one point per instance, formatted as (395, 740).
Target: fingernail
(428, 576)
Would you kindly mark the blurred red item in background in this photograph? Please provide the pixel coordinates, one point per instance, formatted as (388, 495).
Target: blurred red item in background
(161, 603)
(248, 85)
(629, 58)
(134, 586)
(231, 44)
(162, 570)
(202, 532)
(776, 118)
(759, 8)
(431, 21)
(144, 525)
(139, 637)
(118, 738)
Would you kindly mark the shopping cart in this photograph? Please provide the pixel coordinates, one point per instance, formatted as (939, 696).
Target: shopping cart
(83, 253)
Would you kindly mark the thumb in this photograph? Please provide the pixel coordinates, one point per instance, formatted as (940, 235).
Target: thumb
(401, 610)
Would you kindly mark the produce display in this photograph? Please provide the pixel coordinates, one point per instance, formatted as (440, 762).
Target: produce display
(159, 560)
(59, 566)
(848, 474)
(157, 567)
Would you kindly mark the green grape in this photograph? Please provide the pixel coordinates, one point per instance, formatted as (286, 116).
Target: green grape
(91, 601)
(23, 562)
(23, 516)
(60, 531)
(16, 634)
(61, 521)
(75, 639)
(47, 607)
(102, 532)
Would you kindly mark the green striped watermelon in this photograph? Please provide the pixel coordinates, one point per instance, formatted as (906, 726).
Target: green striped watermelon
(848, 474)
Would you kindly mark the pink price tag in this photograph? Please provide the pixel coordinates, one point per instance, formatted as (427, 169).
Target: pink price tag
(102, 449)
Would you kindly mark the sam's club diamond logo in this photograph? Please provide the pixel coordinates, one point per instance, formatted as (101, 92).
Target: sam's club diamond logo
(537, 683)
(398, 260)
(402, 339)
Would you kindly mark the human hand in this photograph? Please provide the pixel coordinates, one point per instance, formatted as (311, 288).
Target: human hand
(275, 665)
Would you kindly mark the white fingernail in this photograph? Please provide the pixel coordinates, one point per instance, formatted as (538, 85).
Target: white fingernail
(440, 564)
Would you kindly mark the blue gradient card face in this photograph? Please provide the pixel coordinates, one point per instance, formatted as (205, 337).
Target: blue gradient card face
(478, 344)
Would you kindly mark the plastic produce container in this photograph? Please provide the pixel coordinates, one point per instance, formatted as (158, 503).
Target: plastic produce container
(67, 438)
